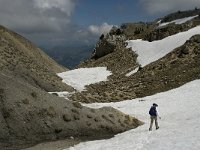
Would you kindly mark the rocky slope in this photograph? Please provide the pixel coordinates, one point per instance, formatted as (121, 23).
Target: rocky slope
(175, 69)
(20, 57)
(29, 115)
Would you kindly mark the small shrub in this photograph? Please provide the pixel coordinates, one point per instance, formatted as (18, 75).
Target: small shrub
(96, 119)
(102, 126)
(111, 115)
(89, 116)
(92, 110)
(1, 91)
(137, 31)
(25, 101)
(76, 117)
(122, 125)
(118, 32)
(51, 111)
(104, 117)
(88, 123)
(6, 113)
(77, 105)
(58, 131)
(34, 94)
(66, 118)
(75, 111)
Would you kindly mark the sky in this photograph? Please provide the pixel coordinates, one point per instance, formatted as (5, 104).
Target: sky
(80, 22)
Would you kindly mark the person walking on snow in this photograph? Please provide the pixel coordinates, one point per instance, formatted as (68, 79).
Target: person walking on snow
(153, 116)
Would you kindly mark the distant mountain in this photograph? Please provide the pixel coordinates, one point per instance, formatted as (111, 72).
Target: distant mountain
(71, 56)
(162, 55)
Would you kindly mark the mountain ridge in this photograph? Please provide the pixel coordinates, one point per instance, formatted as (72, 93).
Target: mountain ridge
(155, 77)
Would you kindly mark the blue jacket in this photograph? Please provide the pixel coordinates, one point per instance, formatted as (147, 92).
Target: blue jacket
(153, 111)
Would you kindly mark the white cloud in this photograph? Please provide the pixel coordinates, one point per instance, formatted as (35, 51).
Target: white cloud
(98, 30)
(66, 6)
(44, 22)
(36, 16)
(159, 6)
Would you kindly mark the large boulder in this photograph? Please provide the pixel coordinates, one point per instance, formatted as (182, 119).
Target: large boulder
(109, 43)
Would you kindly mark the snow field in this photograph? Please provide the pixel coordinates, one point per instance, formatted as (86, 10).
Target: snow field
(179, 126)
(151, 51)
(81, 77)
(178, 21)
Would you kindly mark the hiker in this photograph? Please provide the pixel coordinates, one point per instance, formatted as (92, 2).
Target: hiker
(154, 116)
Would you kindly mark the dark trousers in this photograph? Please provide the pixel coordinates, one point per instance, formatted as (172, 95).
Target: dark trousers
(153, 118)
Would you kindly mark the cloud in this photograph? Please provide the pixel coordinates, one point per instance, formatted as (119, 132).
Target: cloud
(98, 30)
(36, 16)
(48, 23)
(163, 6)
(66, 6)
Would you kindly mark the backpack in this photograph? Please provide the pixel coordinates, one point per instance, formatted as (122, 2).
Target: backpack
(153, 111)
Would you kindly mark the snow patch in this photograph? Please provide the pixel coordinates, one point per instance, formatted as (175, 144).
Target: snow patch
(151, 51)
(81, 77)
(132, 72)
(178, 21)
(64, 94)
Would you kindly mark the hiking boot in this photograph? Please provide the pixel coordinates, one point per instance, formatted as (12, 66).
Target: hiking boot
(157, 128)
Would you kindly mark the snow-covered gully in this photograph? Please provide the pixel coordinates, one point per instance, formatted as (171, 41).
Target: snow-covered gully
(149, 52)
(179, 125)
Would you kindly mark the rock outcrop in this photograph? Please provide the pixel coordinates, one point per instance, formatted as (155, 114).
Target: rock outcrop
(109, 43)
